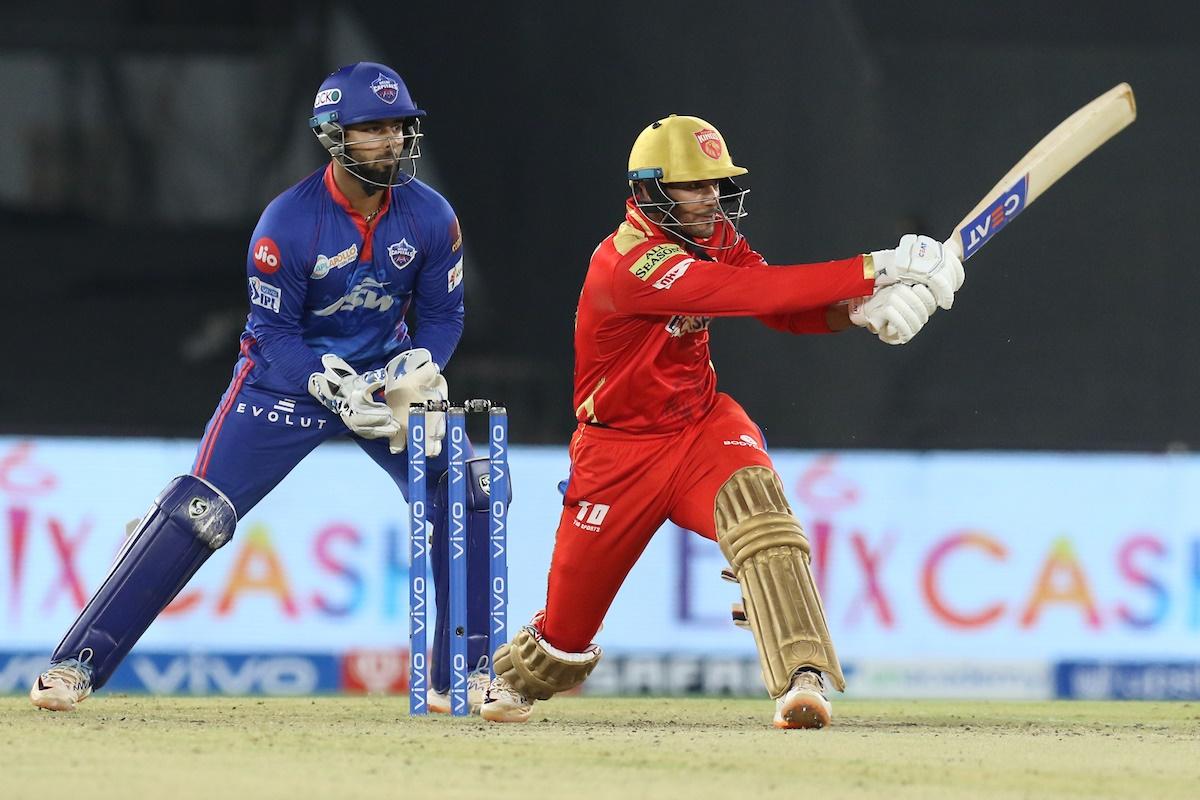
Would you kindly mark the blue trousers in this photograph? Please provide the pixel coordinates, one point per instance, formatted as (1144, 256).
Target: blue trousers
(254, 439)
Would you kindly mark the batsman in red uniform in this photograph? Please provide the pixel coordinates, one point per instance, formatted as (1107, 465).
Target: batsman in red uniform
(656, 441)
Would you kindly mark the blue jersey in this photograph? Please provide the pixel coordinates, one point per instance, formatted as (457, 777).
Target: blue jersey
(322, 280)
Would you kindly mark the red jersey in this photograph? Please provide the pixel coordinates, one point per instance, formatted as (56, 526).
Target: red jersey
(641, 330)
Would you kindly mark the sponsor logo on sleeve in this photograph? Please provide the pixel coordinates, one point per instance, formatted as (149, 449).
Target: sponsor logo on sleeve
(401, 253)
(673, 274)
(266, 256)
(264, 294)
(652, 259)
(327, 97)
(385, 89)
(326, 264)
(710, 142)
(745, 440)
(454, 277)
(455, 235)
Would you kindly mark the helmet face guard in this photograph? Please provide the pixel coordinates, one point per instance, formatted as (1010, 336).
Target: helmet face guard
(657, 203)
(401, 163)
(362, 93)
(682, 149)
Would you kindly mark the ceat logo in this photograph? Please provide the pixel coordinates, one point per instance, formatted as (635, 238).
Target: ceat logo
(266, 256)
(385, 89)
(710, 142)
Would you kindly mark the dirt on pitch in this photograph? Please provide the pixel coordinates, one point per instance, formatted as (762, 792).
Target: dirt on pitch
(127, 747)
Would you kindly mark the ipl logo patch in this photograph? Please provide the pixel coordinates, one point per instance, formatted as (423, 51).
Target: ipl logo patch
(401, 253)
(385, 89)
(710, 142)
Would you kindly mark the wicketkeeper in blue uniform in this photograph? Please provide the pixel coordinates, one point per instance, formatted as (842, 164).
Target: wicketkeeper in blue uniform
(334, 265)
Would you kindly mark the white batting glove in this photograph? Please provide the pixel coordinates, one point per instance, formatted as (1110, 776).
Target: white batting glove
(412, 377)
(894, 313)
(920, 260)
(349, 395)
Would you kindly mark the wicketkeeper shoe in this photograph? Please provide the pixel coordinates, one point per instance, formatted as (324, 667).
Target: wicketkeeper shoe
(477, 686)
(62, 686)
(804, 704)
(505, 704)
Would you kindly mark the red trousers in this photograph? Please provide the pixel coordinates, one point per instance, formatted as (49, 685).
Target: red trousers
(623, 487)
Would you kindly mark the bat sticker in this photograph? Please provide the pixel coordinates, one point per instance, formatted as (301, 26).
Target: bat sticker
(976, 232)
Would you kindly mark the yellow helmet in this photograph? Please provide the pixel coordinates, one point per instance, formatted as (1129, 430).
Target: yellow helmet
(680, 149)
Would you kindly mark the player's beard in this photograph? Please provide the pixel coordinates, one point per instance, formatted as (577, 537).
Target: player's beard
(374, 178)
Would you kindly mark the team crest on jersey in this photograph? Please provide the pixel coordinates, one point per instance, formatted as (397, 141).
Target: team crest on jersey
(385, 89)
(401, 253)
(710, 142)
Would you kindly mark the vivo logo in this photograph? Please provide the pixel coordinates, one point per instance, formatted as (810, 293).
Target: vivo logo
(201, 674)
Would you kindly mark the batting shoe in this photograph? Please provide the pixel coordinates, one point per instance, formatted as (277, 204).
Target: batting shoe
(477, 686)
(505, 704)
(63, 686)
(804, 705)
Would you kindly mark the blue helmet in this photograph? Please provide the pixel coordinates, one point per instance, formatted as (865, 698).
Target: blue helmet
(365, 92)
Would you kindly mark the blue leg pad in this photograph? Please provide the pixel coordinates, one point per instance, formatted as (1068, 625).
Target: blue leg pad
(478, 575)
(188, 521)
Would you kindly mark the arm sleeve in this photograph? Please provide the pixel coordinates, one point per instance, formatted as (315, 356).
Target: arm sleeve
(664, 279)
(812, 320)
(438, 298)
(277, 284)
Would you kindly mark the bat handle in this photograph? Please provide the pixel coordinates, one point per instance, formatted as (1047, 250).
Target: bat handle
(954, 244)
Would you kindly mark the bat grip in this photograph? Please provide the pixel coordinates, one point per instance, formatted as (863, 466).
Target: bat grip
(954, 244)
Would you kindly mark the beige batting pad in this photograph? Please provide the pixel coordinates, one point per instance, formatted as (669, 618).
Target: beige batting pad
(536, 672)
(769, 554)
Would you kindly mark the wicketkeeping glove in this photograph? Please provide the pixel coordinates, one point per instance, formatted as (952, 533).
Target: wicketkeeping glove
(349, 395)
(412, 377)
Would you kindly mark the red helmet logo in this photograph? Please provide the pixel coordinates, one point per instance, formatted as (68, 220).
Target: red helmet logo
(266, 256)
(710, 142)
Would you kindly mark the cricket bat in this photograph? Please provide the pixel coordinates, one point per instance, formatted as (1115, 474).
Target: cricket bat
(1056, 154)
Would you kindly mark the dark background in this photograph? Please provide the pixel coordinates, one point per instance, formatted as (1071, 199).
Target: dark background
(143, 139)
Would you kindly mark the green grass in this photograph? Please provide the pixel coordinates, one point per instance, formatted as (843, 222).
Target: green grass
(133, 747)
